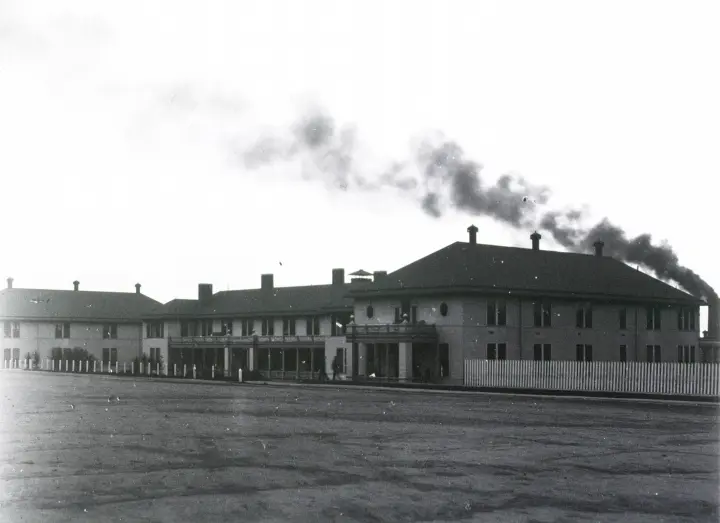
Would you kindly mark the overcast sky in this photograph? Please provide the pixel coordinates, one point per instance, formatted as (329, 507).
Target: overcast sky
(120, 124)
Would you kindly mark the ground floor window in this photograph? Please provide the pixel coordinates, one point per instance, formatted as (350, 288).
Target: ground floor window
(686, 354)
(711, 354)
(623, 353)
(652, 353)
(497, 351)
(383, 360)
(583, 352)
(542, 352)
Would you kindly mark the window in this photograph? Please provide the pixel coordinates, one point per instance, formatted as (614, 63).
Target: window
(622, 313)
(413, 314)
(113, 355)
(496, 313)
(106, 355)
(338, 324)
(583, 352)
(444, 360)
(686, 319)
(155, 329)
(653, 353)
(583, 318)
(542, 352)
(653, 318)
(496, 351)
(110, 331)
(686, 354)
(154, 355)
(542, 314)
(206, 328)
(312, 326)
(247, 327)
(268, 328)
(62, 330)
(12, 329)
(226, 327)
(398, 315)
(369, 311)
(288, 326)
(623, 353)
(7, 329)
(188, 328)
(711, 355)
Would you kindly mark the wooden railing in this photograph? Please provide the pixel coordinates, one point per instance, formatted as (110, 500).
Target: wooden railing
(245, 340)
(697, 379)
(391, 330)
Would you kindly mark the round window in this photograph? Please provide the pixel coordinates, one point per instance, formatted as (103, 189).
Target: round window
(370, 311)
(444, 308)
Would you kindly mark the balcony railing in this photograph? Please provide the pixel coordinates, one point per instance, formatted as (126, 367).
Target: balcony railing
(246, 340)
(392, 331)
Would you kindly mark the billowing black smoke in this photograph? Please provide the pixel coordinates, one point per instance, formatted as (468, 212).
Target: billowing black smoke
(449, 180)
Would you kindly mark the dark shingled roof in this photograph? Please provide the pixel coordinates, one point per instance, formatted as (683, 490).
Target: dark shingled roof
(310, 299)
(477, 267)
(53, 305)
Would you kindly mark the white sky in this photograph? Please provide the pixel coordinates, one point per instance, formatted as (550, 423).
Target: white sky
(118, 121)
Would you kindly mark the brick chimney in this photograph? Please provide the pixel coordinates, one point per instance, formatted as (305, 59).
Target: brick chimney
(379, 276)
(599, 248)
(205, 291)
(266, 282)
(76, 284)
(338, 276)
(472, 231)
(137, 288)
(9, 283)
(536, 237)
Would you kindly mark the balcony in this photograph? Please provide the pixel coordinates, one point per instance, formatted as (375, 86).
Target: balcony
(392, 333)
(247, 341)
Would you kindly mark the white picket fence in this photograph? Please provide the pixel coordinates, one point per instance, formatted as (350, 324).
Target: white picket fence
(696, 379)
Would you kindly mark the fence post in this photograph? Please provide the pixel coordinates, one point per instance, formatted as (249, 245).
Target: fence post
(174, 370)
(184, 370)
(240, 375)
(213, 372)
(132, 368)
(73, 366)
(158, 369)
(124, 367)
(194, 371)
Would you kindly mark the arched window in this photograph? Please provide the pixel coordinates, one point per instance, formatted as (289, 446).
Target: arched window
(370, 312)
(443, 309)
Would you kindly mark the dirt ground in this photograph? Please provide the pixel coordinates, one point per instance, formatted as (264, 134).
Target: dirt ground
(101, 448)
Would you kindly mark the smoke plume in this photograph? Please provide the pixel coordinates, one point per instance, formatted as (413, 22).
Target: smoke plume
(440, 178)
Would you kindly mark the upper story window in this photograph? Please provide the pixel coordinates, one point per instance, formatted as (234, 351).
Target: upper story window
(206, 328)
(155, 329)
(542, 314)
(338, 324)
(686, 319)
(369, 311)
(268, 327)
(584, 317)
(110, 331)
(226, 327)
(653, 318)
(62, 330)
(443, 309)
(289, 326)
(496, 313)
(188, 328)
(12, 329)
(247, 327)
(622, 318)
(312, 326)
(412, 314)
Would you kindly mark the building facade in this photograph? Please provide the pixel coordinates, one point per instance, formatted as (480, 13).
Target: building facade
(282, 332)
(471, 301)
(66, 325)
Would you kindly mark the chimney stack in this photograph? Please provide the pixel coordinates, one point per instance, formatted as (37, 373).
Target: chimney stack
(137, 288)
(338, 276)
(714, 318)
(9, 283)
(205, 291)
(536, 237)
(76, 284)
(379, 276)
(599, 247)
(472, 231)
(266, 282)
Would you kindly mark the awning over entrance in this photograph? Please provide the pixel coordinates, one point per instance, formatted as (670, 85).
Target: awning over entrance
(392, 333)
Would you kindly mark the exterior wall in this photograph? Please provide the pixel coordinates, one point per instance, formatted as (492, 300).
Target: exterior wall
(40, 337)
(466, 331)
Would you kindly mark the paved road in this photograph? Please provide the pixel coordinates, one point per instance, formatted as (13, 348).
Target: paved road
(173, 452)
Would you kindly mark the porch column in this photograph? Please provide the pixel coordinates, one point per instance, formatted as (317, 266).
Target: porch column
(226, 367)
(362, 359)
(251, 358)
(405, 361)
